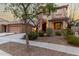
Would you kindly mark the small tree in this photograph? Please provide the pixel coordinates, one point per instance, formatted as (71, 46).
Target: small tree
(45, 9)
(28, 11)
(21, 10)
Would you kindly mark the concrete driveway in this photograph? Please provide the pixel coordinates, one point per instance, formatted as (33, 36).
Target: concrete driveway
(15, 37)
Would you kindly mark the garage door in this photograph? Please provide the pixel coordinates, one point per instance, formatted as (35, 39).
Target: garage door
(15, 29)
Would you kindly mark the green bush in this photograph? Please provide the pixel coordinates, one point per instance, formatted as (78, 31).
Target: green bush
(49, 32)
(64, 31)
(41, 33)
(24, 37)
(32, 35)
(69, 32)
(72, 39)
(58, 33)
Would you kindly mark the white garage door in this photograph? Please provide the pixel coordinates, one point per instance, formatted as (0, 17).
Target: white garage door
(15, 29)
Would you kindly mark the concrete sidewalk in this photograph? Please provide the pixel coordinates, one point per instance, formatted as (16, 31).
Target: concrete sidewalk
(57, 47)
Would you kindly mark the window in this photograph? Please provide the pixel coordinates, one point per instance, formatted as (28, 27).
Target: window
(57, 25)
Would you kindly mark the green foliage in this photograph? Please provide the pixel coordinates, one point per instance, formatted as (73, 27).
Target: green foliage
(29, 11)
(69, 32)
(32, 35)
(64, 31)
(58, 33)
(51, 7)
(49, 32)
(72, 39)
(77, 24)
(48, 8)
(41, 33)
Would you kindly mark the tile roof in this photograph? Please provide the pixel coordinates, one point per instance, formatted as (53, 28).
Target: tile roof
(60, 19)
(64, 6)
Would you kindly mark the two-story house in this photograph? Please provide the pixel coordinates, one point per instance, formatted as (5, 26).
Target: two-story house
(58, 21)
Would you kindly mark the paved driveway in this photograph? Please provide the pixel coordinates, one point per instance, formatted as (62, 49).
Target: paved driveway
(51, 46)
(10, 38)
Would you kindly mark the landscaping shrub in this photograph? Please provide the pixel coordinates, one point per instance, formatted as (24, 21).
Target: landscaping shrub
(41, 33)
(24, 37)
(69, 32)
(72, 39)
(64, 32)
(58, 33)
(49, 32)
(32, 35)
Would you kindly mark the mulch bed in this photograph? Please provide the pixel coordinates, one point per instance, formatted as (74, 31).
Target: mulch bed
(17, 49)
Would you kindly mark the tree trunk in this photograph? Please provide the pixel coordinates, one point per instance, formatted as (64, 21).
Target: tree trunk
(26, 33)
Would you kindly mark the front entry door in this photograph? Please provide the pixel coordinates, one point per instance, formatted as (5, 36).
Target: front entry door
(44, 26)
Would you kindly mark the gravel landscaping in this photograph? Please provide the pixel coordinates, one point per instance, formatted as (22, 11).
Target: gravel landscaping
(17, 49)
(54, 39)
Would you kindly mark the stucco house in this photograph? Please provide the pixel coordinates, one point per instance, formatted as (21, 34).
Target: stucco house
(58, 21)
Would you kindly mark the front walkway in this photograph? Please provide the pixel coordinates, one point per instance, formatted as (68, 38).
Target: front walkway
(51, 46)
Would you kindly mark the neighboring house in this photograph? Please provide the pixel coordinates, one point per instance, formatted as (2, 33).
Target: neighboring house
(59, 20)
(14, 26)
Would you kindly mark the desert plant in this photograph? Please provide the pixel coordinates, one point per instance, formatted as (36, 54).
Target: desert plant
(49, 32)
(32, 35)
(41, 33)
(72, 39)
(69, 32)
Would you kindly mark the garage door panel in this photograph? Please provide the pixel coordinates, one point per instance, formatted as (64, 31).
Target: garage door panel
(15, 29)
